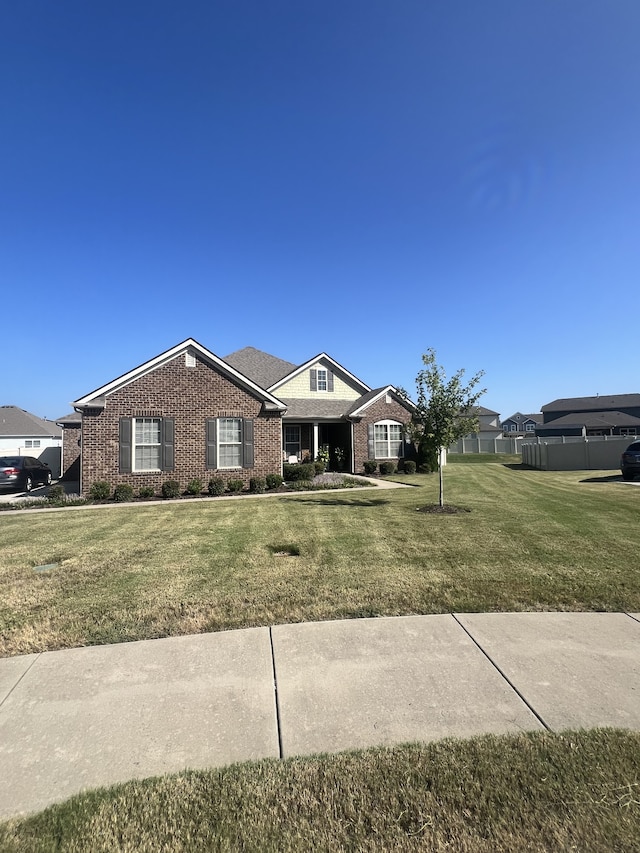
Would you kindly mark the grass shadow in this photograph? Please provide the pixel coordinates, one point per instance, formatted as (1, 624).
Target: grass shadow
(610, 478)
(343, 502)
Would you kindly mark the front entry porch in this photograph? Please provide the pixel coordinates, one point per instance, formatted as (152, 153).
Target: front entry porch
(304, 441)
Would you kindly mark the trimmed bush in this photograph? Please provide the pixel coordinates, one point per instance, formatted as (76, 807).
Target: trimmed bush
(257, 485)
(295, 472)
(388, 467)
(56, 493)
(123, 493)
(146, 492)
(235, 486)
(216, 486)
(171, 489)
(409, 466)
(370, 466)
(194, 487)
(319, 466)
(273, 481)
(100, 491)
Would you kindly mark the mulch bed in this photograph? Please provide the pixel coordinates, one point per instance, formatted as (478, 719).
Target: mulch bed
(447, 509)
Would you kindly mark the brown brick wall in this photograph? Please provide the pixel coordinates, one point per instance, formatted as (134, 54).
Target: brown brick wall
(71, 452)
(378, 411)
(190, 395)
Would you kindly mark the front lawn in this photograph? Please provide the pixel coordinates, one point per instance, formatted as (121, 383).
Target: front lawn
(532, 540)
(530, 792)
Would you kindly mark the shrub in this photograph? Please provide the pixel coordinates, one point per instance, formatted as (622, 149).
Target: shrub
(409, 466)
(123, 492)
(295, 472)
(370, 466)
(100, 490)
(171, 489)
(257, 485)
(146, 492)
(216, 486)
(194, 487)
(319, 466)
(235, 486)
(56, 493)
(273, 481)
(387, 467)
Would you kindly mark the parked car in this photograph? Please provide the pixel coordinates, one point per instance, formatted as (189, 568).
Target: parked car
(22, 473)
(630, 461)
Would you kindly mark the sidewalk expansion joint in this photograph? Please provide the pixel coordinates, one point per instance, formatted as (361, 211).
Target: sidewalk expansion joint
(503, 674)
(27, 670)
(275, 694)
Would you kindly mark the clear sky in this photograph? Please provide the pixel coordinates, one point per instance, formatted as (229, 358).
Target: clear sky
(365, 177)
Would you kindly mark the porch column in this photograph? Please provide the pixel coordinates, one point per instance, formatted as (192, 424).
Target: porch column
(315, 440)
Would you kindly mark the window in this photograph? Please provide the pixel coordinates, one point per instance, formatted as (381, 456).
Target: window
(322, 380)
(147, 444)
(32, 442)
(291, 441)
(229, 442)
(388, 440)
(529, 427)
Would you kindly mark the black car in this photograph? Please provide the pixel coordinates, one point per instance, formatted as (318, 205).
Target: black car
(22, 473)
(630, 461)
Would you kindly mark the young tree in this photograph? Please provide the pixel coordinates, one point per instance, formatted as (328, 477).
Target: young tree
(445, 411)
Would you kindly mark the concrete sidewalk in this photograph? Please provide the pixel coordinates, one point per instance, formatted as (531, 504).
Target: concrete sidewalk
(82, 718)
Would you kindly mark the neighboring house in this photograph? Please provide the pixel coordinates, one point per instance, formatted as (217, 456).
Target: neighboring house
(521, 425)
(489, 426)
(187, 413)
(582, 416)
(24, 434)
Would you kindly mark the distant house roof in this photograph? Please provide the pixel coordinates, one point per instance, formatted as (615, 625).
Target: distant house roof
(481, 410)
(69, 420)
(592, 420)
(264, 369)
(519, 418)
(600, 403)
(18, 422)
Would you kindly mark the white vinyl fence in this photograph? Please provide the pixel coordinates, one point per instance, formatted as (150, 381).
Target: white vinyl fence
(575, 453)
(487, 445)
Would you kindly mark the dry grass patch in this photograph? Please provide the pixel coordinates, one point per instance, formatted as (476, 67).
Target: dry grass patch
(536, 792)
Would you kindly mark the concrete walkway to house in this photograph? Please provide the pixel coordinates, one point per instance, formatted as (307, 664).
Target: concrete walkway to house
(82, 718)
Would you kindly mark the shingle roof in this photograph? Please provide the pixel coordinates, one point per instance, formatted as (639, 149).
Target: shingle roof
(313, 408)
(19, 422)
(260, 367)
(601, 403)
(593, 420)
(518, 417)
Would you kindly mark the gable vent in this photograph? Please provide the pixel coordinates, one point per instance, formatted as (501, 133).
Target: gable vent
(189, 360)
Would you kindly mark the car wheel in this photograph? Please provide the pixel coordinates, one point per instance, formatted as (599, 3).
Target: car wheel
(28, 484)
(627, 475)
(48, 478)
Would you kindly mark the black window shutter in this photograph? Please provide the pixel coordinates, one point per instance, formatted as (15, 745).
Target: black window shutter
(124, 452)
(168, 444)
(212, 448)
(370, 442)
(247, 443)
(329, 380)
(313, 375)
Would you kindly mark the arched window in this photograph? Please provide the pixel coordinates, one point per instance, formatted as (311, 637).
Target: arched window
(388, 440)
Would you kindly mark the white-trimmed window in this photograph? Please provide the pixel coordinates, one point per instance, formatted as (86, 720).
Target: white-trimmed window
(388, 440)
(147, 444)
(292, 441)
(529, 427)
(322, 379)
(32, 442)
(229, 442)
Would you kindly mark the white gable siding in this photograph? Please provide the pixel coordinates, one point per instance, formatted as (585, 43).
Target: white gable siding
(299, 387)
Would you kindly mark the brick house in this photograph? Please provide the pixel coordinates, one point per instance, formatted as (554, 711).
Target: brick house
(188, 413)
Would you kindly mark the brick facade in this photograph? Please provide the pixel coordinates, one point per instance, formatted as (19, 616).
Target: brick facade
(189, 395)
(378, 411)
(71, 452)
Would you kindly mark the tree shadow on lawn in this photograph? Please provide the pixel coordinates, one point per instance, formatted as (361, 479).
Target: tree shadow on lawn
(342, 502)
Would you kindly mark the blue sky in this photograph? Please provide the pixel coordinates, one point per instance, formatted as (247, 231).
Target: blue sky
(365, 178)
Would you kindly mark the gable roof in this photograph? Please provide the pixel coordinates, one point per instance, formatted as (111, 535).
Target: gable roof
(15, 421)
(600, 403)
(373, 396)
(261, 367)
(337, 367)
(482, 410)
(97, 398)
(518, 417)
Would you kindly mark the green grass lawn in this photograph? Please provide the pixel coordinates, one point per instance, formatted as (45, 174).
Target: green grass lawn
(532, 792)
(531, 540)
